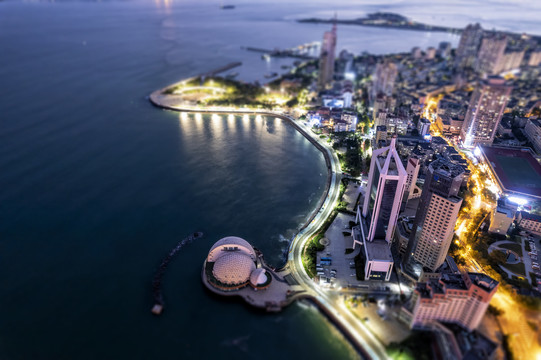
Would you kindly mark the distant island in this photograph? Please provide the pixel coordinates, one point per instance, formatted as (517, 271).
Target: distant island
(385, 19)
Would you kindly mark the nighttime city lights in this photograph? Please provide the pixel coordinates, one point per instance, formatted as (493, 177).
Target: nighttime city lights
(241, 179)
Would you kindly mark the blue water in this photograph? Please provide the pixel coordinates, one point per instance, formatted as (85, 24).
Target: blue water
(96, 185)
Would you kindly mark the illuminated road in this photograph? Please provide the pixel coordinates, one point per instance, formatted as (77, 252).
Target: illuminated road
(524, 342)
(330, 299)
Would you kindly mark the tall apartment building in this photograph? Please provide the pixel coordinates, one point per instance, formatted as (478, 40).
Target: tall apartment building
(534, 58)
(485, 112)
(385, 189)
(532, 130)
(436, 215)
(511, 59)
(460, 298)
(326, 58)
(466, 52)
(491, 53)
(384, 78)
(424, 127)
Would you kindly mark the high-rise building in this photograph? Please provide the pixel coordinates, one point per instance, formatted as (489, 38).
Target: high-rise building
(491, 53)
(534, 58)
(466, 52)
(412, 171)
(424, 127)
(485, 111)
(533, 133)
(385, 189)
(384, 78)
(511, 60)
(436, 215)
(459, 298)
(326, 58)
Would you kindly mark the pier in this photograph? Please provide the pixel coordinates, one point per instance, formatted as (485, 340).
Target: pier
(300, 52)
(157, 281)
(221, 69)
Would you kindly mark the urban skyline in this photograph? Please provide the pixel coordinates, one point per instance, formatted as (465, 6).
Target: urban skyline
(297, 180)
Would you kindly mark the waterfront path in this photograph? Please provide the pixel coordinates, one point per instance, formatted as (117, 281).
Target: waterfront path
(328, 301)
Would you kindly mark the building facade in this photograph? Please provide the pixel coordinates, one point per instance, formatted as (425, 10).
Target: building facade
(461, 299)
(532, 130)
(467, 49)
(384, 78)
(529, 222)
(436, 215)
(502, 217)
(412, 171)
(485, 112)
(326, 58)
(491, 53)
(386, 182)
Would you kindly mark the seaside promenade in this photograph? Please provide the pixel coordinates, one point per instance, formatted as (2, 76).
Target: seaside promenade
(330, 302)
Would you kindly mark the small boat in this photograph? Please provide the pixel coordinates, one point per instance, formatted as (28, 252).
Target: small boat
(271, 75)
(266, 57)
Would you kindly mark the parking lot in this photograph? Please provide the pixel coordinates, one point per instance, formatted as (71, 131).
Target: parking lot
(340, 272)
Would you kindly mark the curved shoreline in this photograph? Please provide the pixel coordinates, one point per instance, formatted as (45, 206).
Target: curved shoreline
(297, 127)
(332, 179)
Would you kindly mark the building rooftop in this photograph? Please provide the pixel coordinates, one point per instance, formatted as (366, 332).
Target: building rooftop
(233, 269)
(447, 168)
(454, 281)
(517, 170)
(529, 216)
(378, 250)
(483, 281)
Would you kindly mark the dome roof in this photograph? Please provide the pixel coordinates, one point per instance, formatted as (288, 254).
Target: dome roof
(229, 244)
(258, 277)
(233, 268)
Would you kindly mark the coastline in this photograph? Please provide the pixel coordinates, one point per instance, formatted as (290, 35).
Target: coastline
(300, 239)
(153, 98)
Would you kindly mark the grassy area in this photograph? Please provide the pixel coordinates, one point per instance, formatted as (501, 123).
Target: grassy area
(234, 94)
(309, 257)
(513, 247)
(416, 346)
(518, 269)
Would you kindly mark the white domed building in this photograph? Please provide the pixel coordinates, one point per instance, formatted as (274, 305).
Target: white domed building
(232, 264)
(260, 278)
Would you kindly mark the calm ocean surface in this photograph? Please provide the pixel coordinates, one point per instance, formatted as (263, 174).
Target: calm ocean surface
(96, 185)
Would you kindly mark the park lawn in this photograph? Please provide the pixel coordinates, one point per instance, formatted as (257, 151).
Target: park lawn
(513, 247)
(518, 269)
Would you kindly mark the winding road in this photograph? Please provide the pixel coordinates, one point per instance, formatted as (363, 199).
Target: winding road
(330, 301)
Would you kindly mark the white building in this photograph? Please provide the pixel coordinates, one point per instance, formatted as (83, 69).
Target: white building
(485, 112)
(385, 188)
(436, 215)
(532, 130)
(424, 127)
(376, 254)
